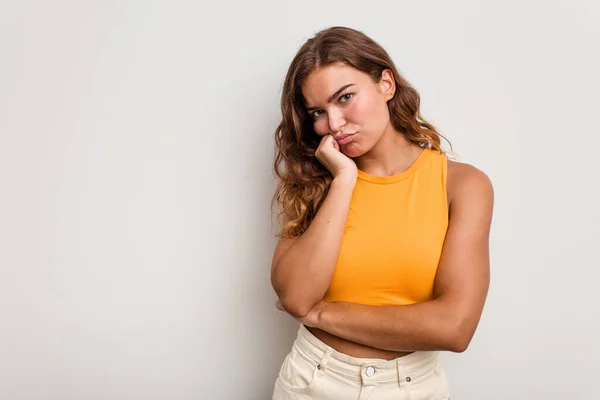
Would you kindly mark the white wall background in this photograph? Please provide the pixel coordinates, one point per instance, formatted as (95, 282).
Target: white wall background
(135, 169)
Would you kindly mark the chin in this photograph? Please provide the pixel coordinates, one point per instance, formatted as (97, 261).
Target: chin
(353, 151)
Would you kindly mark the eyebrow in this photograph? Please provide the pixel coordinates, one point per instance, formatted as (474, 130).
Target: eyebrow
(333, 96)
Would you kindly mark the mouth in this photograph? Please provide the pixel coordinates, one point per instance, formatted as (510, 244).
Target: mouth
(346, 138)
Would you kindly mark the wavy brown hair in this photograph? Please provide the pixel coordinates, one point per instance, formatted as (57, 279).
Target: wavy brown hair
(303, 182)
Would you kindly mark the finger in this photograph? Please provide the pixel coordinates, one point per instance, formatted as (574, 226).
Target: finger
(323, 141)
(336, 145)
(327, 141)
(322, 144)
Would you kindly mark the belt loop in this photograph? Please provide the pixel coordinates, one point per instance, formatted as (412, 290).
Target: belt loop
(324, 360)
(403, 380)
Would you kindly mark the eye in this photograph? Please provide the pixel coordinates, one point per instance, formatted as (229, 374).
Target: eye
(345, 97)
(315, 114)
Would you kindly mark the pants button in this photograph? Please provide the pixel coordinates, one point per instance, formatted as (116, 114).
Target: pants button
(370, 371)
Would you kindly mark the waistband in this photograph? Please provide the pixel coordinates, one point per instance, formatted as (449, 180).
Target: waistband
(373, 370)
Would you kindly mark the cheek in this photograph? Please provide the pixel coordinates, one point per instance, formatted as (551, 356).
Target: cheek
(320, 126)
(365, 110)
(372, 112)
(358, 111)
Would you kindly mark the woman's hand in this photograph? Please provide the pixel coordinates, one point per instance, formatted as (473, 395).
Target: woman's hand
(313, 318)
(330, 155)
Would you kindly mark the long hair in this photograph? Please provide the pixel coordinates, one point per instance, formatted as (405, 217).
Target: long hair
(303, 182)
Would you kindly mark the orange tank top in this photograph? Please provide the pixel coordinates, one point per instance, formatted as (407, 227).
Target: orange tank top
(394, 235)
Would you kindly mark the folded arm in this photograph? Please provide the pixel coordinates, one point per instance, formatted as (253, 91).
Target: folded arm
(449, 320)
(302, 267)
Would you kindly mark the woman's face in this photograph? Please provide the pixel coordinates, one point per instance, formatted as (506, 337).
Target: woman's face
(346, 103)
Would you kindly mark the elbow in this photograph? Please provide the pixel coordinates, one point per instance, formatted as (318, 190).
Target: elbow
(290, 303)
(294, 305)
(459, 344)
(294, 302)
(459, 339)
(296, 309)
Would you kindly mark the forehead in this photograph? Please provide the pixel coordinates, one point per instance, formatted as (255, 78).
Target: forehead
(325, 81)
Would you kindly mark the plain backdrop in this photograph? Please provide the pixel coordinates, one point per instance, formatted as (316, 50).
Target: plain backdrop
(136, 150)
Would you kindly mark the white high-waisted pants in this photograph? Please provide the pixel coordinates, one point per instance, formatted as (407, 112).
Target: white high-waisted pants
(313, 370)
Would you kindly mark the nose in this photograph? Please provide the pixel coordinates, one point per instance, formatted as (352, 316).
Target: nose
(336, 120)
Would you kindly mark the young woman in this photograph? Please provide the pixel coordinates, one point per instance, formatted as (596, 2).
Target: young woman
(383, 252)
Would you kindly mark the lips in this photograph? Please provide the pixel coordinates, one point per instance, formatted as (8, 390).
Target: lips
(344, 138)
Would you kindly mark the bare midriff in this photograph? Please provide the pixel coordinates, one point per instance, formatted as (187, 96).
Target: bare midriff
(354, 349)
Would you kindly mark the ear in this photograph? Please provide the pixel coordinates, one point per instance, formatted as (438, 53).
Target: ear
(387, 84)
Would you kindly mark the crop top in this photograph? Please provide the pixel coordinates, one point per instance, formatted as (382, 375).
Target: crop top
(393, 236)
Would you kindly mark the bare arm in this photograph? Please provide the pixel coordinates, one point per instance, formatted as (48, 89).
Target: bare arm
(449, 321)
(302, 268)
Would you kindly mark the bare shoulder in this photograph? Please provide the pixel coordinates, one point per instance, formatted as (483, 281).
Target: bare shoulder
(468, 184)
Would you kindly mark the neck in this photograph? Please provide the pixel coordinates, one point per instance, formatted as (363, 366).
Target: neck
(391, 155)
